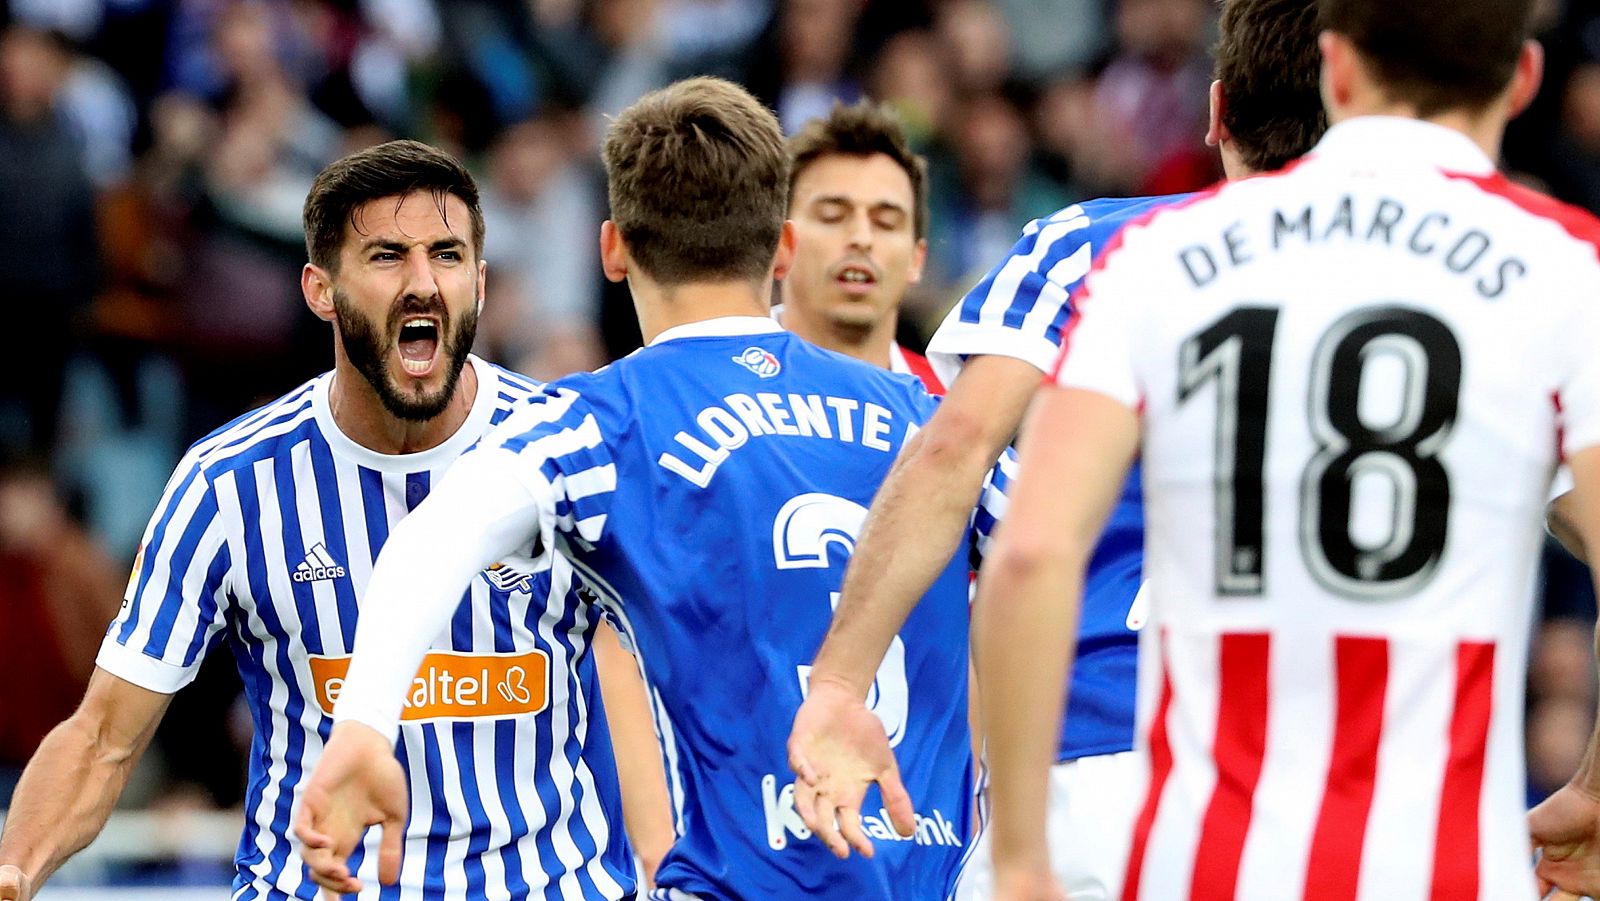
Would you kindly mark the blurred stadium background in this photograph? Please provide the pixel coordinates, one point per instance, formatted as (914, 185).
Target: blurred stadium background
(154, 155)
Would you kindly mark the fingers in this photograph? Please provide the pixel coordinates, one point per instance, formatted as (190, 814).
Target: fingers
(305, 826)
(898, 801)
(850, 829)
(389, 847)
(826, 827)
(801, 765)
(13, 884)
(805, 797)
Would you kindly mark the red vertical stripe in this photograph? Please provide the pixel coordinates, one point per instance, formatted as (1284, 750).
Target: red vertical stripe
(1362, 672)
(1160, 769)
(1455, 847)
(1240, 744)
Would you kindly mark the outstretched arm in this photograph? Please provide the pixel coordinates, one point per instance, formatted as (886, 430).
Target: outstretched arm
(481, 511)
(1566, 827)
(1074, 458)
(646, 805)
(917, 521)
(73, 781)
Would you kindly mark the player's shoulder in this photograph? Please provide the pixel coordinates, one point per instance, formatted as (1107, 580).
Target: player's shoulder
(1093, 221)
(1578, 223)
(263, 431)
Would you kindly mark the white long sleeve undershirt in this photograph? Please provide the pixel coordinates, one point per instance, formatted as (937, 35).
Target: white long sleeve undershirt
(489, 505)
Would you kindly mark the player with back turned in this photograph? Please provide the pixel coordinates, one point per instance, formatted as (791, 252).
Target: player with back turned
(1002, 337)
(1353, 376)
(710, 485)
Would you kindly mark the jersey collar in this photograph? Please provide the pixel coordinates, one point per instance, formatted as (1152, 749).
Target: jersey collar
(472, 428)
(1394, 138)
(720, 327)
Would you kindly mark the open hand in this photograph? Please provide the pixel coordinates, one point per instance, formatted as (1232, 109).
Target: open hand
(838, 748)
(1566, 829)
(357, 783)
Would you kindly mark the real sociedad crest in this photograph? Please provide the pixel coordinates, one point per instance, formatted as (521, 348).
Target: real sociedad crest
(759, 361)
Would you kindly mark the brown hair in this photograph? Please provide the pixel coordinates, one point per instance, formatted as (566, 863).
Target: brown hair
(696, 173)
(392, 169)
(862, 129)
(1436, 55)
(1270, 69)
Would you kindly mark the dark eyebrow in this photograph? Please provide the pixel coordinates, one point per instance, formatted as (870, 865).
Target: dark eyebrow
(451, 243)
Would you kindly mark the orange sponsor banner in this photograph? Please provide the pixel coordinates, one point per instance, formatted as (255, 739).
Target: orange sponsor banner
(452, 685)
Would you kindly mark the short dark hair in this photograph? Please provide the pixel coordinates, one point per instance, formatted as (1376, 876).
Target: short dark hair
(696, 174)
(1436, 55)
(392, 169)
(1271, 69)
(862, 129)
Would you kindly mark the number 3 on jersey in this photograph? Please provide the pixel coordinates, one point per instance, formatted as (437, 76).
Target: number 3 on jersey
(1236, 352)
(801, 533)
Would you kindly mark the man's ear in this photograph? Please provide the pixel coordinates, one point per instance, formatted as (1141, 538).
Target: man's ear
(1216, 132)
(1525, 80)
(919, 258)
(317, 287)
(787, 241)
(483, 270)
(613, 252)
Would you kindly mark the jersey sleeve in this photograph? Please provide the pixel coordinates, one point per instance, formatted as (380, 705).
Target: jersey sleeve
(176, 598)
(562, 455)
(992, 503)
(1021, 307)
(1097, 351)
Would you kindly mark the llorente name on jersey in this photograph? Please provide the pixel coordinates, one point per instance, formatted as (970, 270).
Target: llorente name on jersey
(1463, 250)
(726, 427)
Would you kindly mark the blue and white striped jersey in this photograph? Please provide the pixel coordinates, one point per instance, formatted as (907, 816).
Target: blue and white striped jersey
(1020, 310)
(266, 537)
(711, 486)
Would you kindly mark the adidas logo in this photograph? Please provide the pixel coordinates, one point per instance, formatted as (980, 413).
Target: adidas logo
(318, 566)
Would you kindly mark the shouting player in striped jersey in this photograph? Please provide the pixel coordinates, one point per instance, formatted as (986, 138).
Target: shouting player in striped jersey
(1006, 333)
(711, 484)
(858, 198)
(266, 538)
(1346, 381)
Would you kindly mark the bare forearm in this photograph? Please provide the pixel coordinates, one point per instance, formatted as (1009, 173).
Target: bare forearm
(1023, 636)
(646, 806)
(66, 794)
(916, 523)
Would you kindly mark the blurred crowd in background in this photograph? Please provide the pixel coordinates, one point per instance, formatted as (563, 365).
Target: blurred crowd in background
(154, 156)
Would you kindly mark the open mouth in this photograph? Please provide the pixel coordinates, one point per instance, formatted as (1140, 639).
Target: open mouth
(856, 279)
(419, 344)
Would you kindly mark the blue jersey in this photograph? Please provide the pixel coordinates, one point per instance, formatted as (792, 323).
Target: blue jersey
(266, 538)
(711, 487)
(1020, 310)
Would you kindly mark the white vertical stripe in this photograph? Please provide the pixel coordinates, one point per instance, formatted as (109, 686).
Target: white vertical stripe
(1191, 729)
(1397, 858)
(1288, 798)
(590, 812)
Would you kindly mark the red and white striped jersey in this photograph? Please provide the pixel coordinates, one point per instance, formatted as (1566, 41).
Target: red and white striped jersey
(908, 362)
(1353, 377)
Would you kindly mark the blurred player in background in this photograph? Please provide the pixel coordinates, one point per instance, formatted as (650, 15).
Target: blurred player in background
(1359, 373)
(858, 198)
(267, 536)
(1006, 333)
(710, 485)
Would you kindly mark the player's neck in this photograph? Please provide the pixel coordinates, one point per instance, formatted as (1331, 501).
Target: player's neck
(362, 417)
(663, 307)
(868, 344)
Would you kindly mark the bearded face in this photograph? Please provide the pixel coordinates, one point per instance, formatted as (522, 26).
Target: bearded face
(427, 340)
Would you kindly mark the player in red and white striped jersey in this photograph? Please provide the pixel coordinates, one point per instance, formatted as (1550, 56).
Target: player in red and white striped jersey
(1339, 380)
(858, 198)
